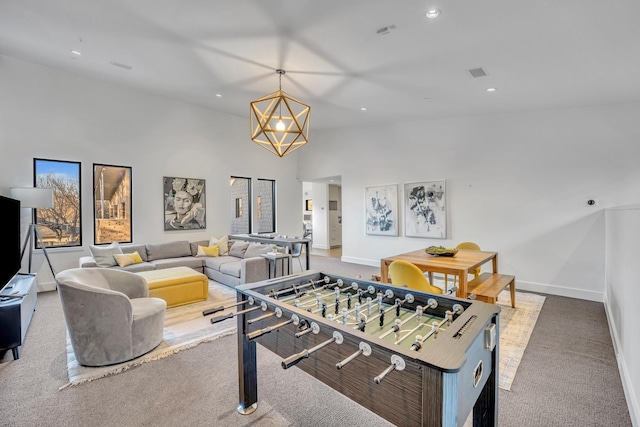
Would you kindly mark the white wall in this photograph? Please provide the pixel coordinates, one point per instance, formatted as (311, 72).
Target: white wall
(320, 194)
(54, 115)
(516, 184)
(622, 296)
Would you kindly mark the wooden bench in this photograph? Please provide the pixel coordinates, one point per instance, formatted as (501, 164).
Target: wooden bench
(487, 287)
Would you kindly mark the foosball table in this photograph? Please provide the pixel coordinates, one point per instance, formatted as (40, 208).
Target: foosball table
(413, 358)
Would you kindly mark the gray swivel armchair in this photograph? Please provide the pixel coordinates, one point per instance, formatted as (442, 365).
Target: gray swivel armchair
(110, 318)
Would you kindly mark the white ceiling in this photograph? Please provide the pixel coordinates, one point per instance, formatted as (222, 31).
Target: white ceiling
(538, 54)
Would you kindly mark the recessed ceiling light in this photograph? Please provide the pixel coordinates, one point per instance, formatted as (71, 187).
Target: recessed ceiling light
(433, 13)
(75, 52)
(363, 108)
(491, 89)
(219, 95)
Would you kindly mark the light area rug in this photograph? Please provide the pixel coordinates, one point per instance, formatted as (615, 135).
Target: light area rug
(184, 327)
(516, 326)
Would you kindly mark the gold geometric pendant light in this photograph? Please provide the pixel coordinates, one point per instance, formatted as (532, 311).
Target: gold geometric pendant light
(279, 122)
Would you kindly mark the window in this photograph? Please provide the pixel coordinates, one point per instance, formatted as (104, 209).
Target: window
(266, 205)
(61, 225)
(240, 205)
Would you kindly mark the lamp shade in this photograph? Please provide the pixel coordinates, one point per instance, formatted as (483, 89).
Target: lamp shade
(30, 197)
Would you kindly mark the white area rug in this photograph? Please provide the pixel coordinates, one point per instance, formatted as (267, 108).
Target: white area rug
(184, 327)
(516, 325)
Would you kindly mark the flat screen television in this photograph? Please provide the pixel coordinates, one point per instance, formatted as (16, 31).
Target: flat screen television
(10, 215)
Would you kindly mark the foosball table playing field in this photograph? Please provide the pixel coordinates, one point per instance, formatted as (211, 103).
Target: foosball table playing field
(413, 358)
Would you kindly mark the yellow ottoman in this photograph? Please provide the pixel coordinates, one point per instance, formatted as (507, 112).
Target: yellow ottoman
(177, 285)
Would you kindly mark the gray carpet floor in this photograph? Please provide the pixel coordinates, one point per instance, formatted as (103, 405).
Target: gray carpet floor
(568, 377)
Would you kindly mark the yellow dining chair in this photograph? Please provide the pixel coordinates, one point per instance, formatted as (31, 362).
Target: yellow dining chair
(466, 246)
(405, 273)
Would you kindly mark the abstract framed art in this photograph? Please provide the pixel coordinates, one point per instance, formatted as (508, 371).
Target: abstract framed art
(381, 210)
(112, 204)
(425, 212)
(184, 204)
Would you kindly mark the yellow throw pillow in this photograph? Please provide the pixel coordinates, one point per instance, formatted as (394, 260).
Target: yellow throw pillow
(124, 260)
(205, 251)
(137, 259)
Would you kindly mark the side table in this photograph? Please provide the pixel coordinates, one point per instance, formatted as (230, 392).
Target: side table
(17, 304)
(277, 259)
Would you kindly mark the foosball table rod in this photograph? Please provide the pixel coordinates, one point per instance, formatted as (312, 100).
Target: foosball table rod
(365, 349)
(397, 362)
(255, 334)
(295, 288)
(222, 308)
(262, 306)
(295, 358)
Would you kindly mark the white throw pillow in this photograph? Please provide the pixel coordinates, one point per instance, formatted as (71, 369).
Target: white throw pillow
(103, 255)
(222, 242)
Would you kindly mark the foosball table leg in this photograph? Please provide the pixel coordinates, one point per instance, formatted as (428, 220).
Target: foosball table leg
(247, 370)
(485, 411)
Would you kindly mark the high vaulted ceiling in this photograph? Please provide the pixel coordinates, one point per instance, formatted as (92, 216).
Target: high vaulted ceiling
(537, 54)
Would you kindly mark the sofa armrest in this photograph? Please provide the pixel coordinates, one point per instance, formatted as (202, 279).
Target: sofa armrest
(87, 261)
(130, 284)
(254, 269)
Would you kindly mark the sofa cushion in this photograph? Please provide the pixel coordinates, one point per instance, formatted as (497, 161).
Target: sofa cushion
(231, 268)
(194, 246)
(195, 263)
(223, 242)
(135, 268)
(103, 255)
(141, 249)
(238, 249)
(214, 263)
(175, 249)
(256, 249)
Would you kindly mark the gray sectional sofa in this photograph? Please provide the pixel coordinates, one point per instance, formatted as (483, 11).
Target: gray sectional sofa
(242, 264)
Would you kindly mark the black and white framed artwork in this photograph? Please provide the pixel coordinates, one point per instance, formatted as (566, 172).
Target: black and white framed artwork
(184, 203)
(425, 209)
(381, 210)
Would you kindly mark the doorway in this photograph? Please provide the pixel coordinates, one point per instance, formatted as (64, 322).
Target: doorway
(322, 215)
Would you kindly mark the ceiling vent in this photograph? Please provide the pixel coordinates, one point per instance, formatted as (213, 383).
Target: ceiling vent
(385, 30)
(121, 65)
(477, 72)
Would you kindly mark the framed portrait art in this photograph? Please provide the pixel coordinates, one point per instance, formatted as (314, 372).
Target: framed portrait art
(425, 209)
(112, 204)
(381, 210)
(184, 204)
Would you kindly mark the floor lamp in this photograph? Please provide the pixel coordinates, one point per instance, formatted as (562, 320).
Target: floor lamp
(34, 198)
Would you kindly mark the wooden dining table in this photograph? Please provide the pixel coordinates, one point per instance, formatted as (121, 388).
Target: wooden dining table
(459, 265)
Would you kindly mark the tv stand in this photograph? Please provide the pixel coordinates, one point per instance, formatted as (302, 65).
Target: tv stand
(17, 304)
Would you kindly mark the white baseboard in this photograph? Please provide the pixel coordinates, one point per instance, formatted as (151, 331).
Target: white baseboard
(47, 286)
(520, 285)
(559, 291)
(629, 393)
(360, 261)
